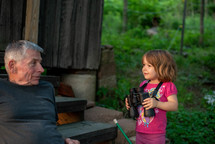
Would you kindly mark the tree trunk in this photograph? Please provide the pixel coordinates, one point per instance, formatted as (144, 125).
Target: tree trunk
(124, 25)
(206, 8)
(202, 22)
(183, 26)
(214, 11)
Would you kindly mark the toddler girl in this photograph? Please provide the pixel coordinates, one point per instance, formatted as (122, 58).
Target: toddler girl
(158, 66)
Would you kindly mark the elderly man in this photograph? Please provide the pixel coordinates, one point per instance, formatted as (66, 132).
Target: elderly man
(27, 104)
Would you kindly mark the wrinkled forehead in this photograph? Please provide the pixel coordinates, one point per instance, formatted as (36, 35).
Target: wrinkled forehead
(32, 54)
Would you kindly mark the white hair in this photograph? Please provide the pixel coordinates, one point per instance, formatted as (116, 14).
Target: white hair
(17, 50)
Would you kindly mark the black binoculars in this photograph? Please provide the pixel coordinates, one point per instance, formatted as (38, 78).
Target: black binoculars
(135, 98)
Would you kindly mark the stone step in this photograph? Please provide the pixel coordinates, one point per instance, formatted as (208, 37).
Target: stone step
(128, 126)
(88, 132)
(100, 114)
(133, 139)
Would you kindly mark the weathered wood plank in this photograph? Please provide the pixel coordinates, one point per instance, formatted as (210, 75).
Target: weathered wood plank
(32, 20)
(69, 104)
(49, 26)
(12, 14)
(72, 40)
(69, 30)
(67, 33)
(1, 58)
(70, 117)
(89, 132)
(70, 109)
(80, 45)
(94, 36)
(3, 76)
(55, 80)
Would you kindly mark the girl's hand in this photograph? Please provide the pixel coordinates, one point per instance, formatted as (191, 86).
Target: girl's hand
(149, 103)
(126, 104)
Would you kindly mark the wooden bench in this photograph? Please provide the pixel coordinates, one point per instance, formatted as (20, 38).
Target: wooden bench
(71, 121)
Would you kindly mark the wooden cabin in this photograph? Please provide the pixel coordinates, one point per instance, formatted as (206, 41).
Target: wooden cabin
(69, 31)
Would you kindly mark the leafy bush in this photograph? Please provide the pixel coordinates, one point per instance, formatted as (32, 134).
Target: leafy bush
(2, 67)
(191, 127)
(114, 98)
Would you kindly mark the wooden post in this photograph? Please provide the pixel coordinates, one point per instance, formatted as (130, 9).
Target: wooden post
(182, 32)
(32, 20)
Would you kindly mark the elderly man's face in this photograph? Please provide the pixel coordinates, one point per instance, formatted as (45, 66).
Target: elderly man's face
(29, 69)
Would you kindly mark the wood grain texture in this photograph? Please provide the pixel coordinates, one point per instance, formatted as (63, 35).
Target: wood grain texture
(70, 33)
(69, 104)
(12, 21)
(88, 132)
(32, 20)
(71, 117)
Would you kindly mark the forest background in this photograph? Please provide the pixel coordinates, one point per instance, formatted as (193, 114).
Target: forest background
(133, 27)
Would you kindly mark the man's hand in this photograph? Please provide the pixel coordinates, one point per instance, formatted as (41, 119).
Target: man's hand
(71, 141)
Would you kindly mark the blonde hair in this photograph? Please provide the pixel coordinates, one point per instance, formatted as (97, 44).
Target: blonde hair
(163, 63)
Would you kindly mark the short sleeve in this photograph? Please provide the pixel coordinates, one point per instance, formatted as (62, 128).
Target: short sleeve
(170, 89)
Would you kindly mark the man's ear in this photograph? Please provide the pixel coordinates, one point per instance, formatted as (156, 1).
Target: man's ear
(12, 66)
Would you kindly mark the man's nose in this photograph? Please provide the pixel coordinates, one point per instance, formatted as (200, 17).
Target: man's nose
(40, 68)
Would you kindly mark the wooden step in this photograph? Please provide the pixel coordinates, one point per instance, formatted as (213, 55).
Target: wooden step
(70, 104)
(88, 132)
(70, 109)
(3, 76)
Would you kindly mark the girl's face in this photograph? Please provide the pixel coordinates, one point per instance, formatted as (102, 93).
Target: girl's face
(149, 71)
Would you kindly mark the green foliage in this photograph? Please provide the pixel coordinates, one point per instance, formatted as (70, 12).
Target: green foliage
(2, 67)
(211, 8)
(45, 72)
(112, 16)
(209, 61)
(141, 13)
(186, 127)
(112, 6)
(113, 98)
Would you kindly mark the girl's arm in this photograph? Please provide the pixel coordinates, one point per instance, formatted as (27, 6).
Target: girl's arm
(170, 105)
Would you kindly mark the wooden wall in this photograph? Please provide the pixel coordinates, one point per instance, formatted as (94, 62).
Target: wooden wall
(12, 20)
(68, 30)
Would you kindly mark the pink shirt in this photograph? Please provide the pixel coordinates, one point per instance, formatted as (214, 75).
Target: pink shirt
(156, 124)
